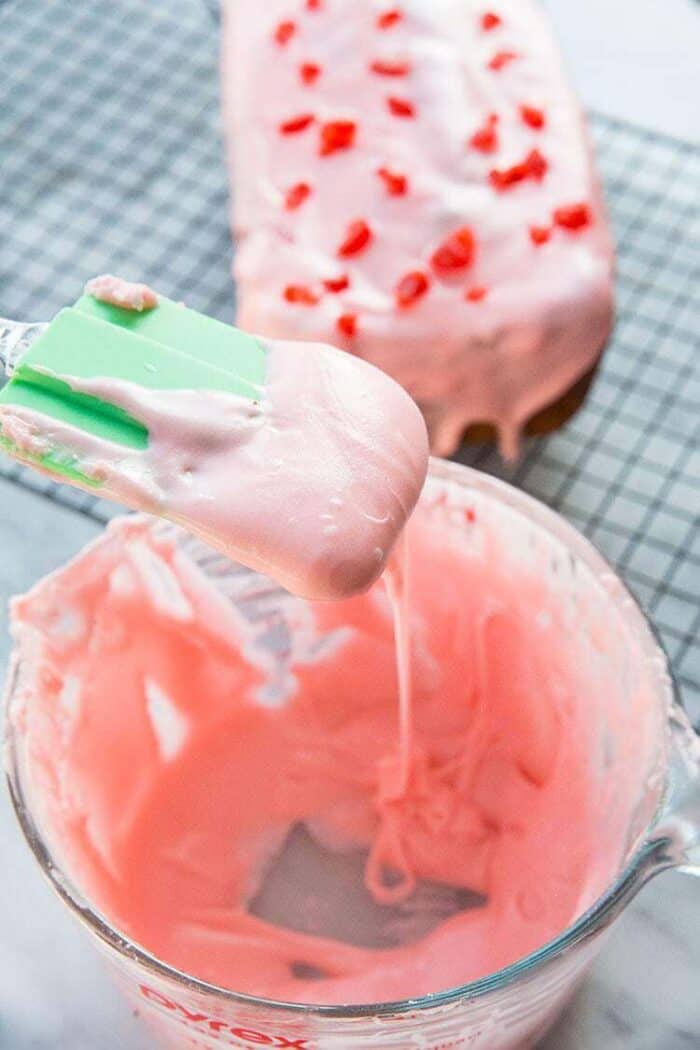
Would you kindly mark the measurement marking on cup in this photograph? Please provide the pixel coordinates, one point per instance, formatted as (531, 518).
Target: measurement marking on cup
(244, 1036)
(248, 1036)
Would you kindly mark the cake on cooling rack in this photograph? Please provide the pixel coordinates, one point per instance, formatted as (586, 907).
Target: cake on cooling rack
(414, 183)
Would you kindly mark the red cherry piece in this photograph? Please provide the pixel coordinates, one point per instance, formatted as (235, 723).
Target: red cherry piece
(401, 107)
(284, 32)
(503, 178)
(337, 135)
(455, 253)
(309, 72)
(501, 59)
(534, 166)
(396, 184)
(357, 237)
(347, 325)
(388, 19)
(336, 284)
(300, 294)
(385, 68)
(470, 515)
(573, 216)
(296, 124)
(540, 234)
(412, 287)
(296, 195)
(485, 138)
(533, 117)
(490, 20)
(476, 294)
(314, 5)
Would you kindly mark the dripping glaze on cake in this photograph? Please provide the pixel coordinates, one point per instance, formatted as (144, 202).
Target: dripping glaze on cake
(414, 184)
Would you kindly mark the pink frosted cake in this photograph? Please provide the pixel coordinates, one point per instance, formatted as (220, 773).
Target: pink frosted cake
(413, 183)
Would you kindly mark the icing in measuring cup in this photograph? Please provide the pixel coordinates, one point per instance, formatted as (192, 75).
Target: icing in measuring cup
(644, 816)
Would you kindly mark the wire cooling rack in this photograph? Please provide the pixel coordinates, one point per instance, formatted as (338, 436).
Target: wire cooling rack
(112, 160)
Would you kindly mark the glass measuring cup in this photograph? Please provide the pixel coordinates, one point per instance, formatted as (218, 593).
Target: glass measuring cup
(508, 1009)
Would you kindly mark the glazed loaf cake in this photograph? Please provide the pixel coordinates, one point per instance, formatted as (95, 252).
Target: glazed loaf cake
(414, 183)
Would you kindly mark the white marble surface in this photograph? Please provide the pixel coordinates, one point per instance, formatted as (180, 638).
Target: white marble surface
(638, 60)
(635, 59)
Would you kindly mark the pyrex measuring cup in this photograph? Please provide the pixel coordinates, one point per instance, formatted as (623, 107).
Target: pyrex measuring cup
(656, 818)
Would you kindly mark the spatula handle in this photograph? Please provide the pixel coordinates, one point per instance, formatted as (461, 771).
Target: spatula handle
(15, 338)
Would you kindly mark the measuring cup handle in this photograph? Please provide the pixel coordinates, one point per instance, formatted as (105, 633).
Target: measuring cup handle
(679, 826)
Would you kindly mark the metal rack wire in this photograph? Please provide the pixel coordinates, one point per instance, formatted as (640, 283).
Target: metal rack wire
(112, 161)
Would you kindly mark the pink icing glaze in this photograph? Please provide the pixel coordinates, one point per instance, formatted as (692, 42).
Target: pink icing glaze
(171, 758)
(496, 144)
(312, 483)
(118, 292)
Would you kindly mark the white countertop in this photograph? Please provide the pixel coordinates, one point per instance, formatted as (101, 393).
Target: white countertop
(635, 59)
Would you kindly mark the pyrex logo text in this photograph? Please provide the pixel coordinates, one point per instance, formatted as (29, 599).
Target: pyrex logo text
(212, 1024)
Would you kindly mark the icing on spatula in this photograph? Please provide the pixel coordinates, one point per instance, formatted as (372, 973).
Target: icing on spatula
(295, 459)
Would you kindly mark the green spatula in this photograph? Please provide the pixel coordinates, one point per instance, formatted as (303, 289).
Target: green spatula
(165, 348)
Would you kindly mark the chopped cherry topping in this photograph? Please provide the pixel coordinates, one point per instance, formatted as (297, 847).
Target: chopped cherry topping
(533, 116)
(485, 138)
(296, 195)
(300, 294)
(357, 237)
(455, 253)
(314, 5)
(476, 294)
(490, 21)
(411, 288)
(501, 59)
(534, 166)
(470, 515)
(385, 68)
(347, 324)
(284, 32)
(337, 284)
(540, 234)
(401, 107)
(336, 135)
(503, 178)
(296, 124)
(388, 19)
(573, 216)
(396, 184)
(309, 72)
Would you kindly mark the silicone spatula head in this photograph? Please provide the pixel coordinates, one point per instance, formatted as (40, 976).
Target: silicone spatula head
(168, 348)
(295, 459)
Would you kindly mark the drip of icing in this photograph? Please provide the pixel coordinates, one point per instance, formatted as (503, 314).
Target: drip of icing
(397, 583)
(387, 854)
